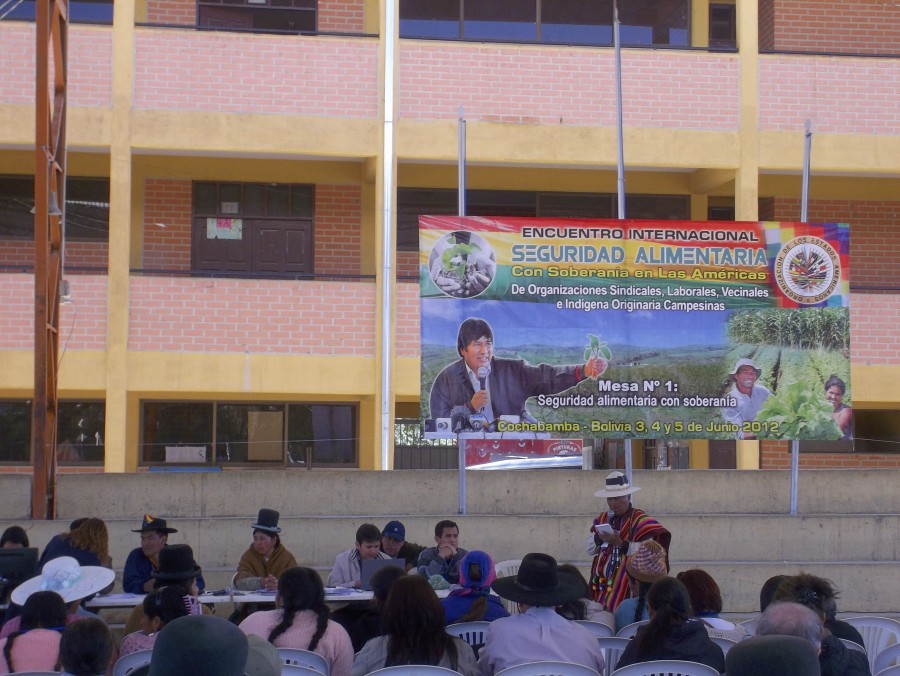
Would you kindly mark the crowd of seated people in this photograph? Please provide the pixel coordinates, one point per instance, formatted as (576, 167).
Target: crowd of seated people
(796, 632)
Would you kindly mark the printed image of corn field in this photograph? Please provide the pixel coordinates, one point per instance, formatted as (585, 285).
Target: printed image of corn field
(796, 352)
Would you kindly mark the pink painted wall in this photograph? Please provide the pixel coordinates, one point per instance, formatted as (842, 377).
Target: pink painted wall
(262, 316)
(839, 94)
(82, 324)
(560, 85)
(241, 73)
(90, 65)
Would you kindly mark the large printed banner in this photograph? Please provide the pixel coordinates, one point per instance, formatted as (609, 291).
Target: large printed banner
(641, 329)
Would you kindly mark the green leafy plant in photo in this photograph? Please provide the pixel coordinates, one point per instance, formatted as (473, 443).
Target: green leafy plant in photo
(801, 413)
(455, 259)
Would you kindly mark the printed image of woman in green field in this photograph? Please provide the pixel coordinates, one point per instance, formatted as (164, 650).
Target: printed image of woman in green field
(835, 389)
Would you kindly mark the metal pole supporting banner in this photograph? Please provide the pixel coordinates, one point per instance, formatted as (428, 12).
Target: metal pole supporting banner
(387, 226)
(804, 213)
(620, 159)
(461, 160)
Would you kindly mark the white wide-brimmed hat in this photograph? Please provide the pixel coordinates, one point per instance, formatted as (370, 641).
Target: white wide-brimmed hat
(616, 485)
(67, 578)
(744, 362)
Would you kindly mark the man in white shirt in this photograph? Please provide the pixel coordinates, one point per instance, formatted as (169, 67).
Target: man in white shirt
(750, 398)
(538, 633)
(346, 570)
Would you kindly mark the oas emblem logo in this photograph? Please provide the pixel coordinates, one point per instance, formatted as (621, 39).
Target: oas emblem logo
(807, 270)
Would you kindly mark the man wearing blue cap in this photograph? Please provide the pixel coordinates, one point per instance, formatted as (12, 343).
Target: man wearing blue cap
(394, 544)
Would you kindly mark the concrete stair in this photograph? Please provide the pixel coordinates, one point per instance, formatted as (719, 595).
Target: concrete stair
(733, 524)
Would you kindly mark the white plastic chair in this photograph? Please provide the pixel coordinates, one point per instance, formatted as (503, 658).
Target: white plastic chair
(888, 657)
(853, 645)
(612, 647)
(548, 668)
(666, 668)
(630, 630)
(890, 671)
(877, 632)
(470, 632)
(298, 670)
(304, 658)
(508, 568)
(598, 629)
(128, 663)
(725, 644)
(415, 670)
(750, 625)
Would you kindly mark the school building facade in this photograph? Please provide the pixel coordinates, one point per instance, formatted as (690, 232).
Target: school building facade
(229, 162)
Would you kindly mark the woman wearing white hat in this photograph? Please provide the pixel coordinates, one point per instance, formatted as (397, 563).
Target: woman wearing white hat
(612, 533)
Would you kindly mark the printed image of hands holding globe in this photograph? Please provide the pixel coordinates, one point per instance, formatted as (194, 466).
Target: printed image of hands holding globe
(462, 264)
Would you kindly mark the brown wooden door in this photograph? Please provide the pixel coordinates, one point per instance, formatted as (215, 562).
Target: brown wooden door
(722, 454)
(282, 246)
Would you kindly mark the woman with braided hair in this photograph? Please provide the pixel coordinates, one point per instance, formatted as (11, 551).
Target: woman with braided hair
(672, 633)
(300, 620)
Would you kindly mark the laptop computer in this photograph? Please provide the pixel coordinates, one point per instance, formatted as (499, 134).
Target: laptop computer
(368, 568)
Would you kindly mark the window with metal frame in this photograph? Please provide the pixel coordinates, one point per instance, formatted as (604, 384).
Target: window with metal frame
(586, 22)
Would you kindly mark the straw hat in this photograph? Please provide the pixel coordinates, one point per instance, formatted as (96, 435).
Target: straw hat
(66, 577)
(616, 485)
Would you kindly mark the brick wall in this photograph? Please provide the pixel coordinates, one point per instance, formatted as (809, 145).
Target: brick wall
(335, 16)
(90, 65)
(337, 229)
(495, 83)
(839, 94)
(874, 245)
(777, 455)
(341, 16)
(173, 12)
(262, 74)
(407, 341)
(82, 324)
(259, 316)
(167, 202)
(407, 264)
(20, 252)
(860, 27)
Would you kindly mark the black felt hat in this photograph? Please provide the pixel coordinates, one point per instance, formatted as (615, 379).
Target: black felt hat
(176, 562)
(540, 583)
(200, 645)
(149, 524)
(267, 520)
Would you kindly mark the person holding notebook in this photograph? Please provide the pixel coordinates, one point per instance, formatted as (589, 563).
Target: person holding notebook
(346, 570)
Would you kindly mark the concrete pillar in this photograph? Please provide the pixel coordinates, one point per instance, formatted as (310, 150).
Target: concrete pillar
(120, 457)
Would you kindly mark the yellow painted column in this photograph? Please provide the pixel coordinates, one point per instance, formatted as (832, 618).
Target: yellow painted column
(746, 184)
(700, 23)
(699, 207)
(699, 454)
(120, 456)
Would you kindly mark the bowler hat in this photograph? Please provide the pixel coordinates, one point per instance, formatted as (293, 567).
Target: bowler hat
(176, 562)
(149, 523)
(267, 521)
(540, 583)
(200, 645)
